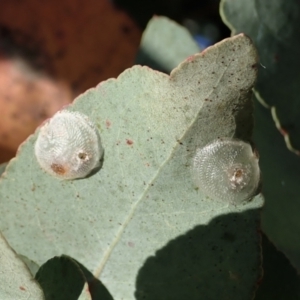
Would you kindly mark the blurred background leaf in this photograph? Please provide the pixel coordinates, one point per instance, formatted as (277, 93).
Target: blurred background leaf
(280, 280)
(274, 28)
(164, 43)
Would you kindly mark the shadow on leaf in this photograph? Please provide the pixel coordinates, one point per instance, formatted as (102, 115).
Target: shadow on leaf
(64, 278)
(220, 260)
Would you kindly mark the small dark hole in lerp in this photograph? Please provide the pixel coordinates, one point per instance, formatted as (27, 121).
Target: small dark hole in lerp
(82, 155)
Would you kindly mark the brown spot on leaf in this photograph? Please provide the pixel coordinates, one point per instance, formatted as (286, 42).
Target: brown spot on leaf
(129, 142)
(131, 244)
(108, 124)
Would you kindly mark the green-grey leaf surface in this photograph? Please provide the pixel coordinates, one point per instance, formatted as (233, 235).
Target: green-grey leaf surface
(274, 28)
(31, 265)
(165, 44)
(16, 281)
(144, 196)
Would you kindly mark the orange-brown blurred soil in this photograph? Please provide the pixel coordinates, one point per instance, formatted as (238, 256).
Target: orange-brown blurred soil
(76, 45)
(26, 99)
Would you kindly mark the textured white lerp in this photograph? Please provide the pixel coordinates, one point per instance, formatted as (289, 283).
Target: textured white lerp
(227, 169)
(68, 145)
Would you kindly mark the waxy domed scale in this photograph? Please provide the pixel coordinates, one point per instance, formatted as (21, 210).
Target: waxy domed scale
(227, 169)
(68, 145)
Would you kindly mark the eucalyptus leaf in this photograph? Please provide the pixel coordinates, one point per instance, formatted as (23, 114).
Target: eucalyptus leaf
(274, 29)
(165, 44)
(143, 197)
(31, 265)
(280, 176)
(16, 281)
(280, 280)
